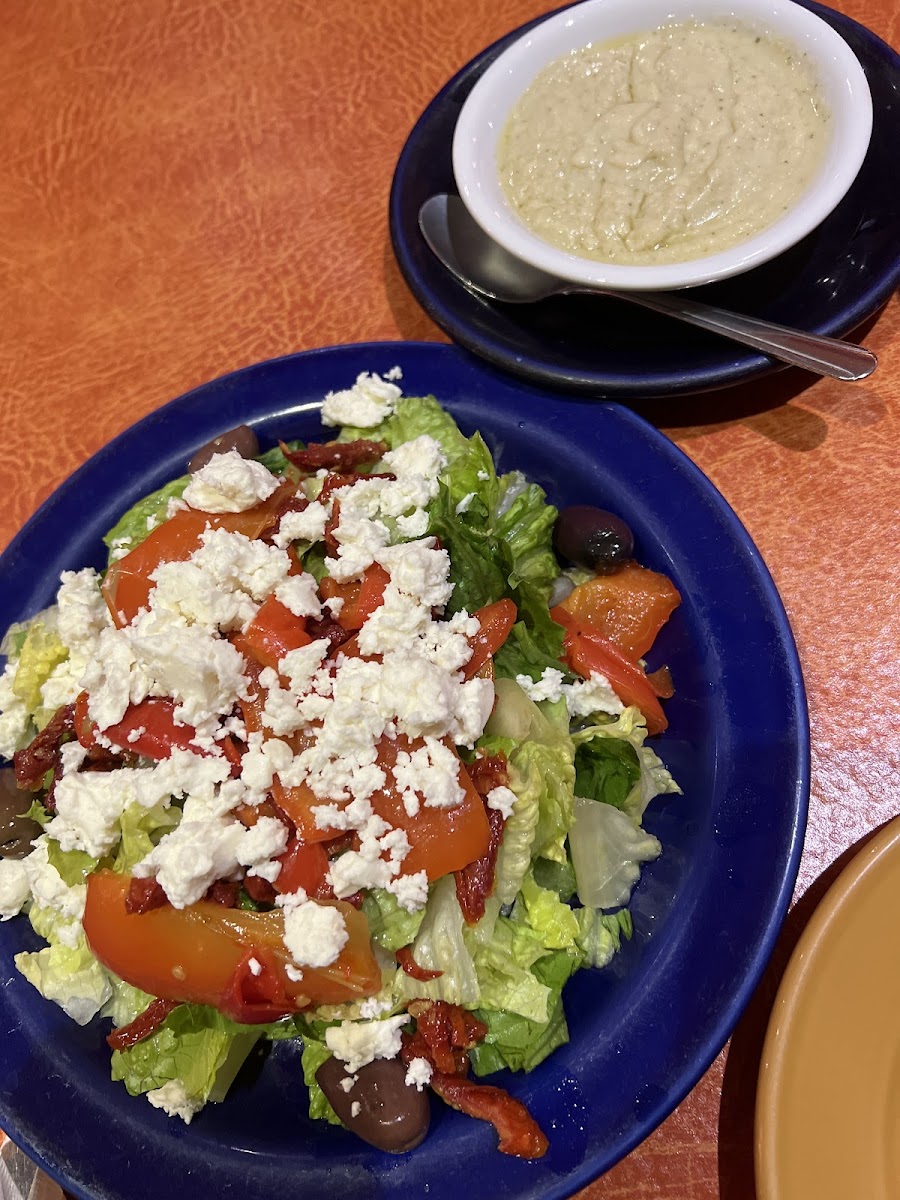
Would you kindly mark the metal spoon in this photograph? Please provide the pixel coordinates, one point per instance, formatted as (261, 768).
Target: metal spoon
(486, 269)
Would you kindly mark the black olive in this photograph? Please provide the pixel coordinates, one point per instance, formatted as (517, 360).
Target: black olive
(241, 438)
(380, 1107)
(593, 538)
(16, 830)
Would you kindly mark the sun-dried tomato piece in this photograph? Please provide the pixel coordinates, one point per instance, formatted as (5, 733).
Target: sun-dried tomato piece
(444, 1034)
(144, 895)
(336, 455)
(143, 1025)
(489, 771)
(33, 763)
(405, 958)
(223, 892)
(519, 1133)
(259, 890)
(328, 627)
(475, 882)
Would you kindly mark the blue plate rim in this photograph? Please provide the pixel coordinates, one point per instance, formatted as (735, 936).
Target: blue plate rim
(719, 1032)
(597, 383)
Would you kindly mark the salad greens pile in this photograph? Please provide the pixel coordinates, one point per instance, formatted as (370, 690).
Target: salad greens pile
(571, 849)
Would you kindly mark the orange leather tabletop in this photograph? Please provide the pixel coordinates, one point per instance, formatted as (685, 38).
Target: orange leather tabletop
(189, 187)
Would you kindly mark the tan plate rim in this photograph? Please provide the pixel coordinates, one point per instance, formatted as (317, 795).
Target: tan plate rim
(801, 966)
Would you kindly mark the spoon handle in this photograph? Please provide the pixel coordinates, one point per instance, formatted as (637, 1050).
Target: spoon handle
(824, 355)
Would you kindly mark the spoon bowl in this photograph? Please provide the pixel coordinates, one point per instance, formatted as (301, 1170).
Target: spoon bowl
(488, 270)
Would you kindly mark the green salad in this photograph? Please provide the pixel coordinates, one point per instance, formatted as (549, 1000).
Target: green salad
(337, 749)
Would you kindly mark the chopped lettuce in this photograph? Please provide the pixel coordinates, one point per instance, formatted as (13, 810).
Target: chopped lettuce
(314, 1054)
(607, 850)
(440, 946)
(606, 769)
(390, 926)
(413, 417)
(553, 922)
(141, 829)
(600, 934)
(194, 1044)
(134, 526)
(505, 980)
(654, 779)
(518, 1043)
(41, 651)
(72, 865)
(65, 971)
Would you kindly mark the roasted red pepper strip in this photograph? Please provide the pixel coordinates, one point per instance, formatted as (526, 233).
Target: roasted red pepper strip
(518, 1131)
(405, 958)
(33, 763)
(338, 456)
(475, 882)
(143, 1025)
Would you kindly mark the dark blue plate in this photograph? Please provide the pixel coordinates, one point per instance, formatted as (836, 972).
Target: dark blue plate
(830, 283)
(706, 914)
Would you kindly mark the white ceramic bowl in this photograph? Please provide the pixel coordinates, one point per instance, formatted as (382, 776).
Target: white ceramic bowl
(841, 80)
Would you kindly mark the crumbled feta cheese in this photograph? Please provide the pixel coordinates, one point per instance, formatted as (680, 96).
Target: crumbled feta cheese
(418, 1073)
(355, 1108)
(15, 720)
(229, 483)
(222, 583)
(588, 696)
(411, 891)
(14, 889)
(293, 973)
(357, 1043)
(432, 771)
(262, 762)
(299, 594)
(48, 888)
(503, 799)
(419, 569)
(255, 966)
(305, 526)
(174, 1100)
(393, 374)
(205, 848)
(347, 1083)
(548, 687)
(280, 713)
(415, 525)
(369, 402)
(315, 934)
(465, 504)
(299, 666)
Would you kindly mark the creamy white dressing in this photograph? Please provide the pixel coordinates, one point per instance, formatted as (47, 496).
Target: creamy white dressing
(664, 146)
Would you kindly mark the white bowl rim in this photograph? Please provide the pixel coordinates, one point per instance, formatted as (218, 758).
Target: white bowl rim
(484, 113)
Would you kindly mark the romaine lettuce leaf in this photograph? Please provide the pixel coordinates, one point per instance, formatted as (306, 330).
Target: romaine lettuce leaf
(42, 650)
(65, 971)
(72, 865)
(600, 934)
(440, 946)
(505, 979)
(390, 926)
(554, 923)
(314, 1054)
(141, 829)
(607, 850)
(606, 769)
(193, 1044)
(132, 527)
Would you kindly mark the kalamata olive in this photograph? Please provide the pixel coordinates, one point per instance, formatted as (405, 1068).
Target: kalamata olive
(390, 1115)
(593, 538)
(16, 831)
(241, 438)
